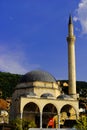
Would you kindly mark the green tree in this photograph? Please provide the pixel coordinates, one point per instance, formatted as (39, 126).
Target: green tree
(16, 124)
(81, 123)
(19, 124)
(8, 82)
(28, 124)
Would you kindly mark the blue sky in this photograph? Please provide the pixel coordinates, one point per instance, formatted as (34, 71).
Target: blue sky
(33, 36)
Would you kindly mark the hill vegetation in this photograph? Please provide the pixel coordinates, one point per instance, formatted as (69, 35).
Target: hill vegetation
(8, 82)
(81, 87)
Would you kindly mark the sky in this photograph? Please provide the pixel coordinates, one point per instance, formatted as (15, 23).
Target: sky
(33, 36)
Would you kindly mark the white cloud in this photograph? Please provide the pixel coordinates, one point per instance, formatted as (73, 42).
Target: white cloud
(75, 18)
(82, 15)
(14, 60)
(9, 64)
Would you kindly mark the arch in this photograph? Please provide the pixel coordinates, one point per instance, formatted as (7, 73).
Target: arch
(68, 115)
(31, 112)
(49, 113)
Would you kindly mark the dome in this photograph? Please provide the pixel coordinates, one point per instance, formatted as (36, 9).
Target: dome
(37, 75)
(28, 94)
(64, 97)
(45, 95)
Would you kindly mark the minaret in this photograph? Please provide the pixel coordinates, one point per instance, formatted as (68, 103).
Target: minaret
(71, 59)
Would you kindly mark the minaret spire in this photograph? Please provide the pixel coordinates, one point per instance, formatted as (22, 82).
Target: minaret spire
(70, 19)
(71, 59)
(70, 27)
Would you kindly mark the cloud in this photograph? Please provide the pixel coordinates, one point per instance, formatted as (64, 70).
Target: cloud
(14, 60)
(9, 64)
(81, 15)
(75, 18)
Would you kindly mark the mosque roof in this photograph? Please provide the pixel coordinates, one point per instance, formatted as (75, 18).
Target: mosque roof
(28, 94)
(64, 97)
(45, 95)
(37, 75)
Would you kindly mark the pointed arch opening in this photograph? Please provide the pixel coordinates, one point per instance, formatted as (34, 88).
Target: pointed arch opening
(49, 116)
(31, 113)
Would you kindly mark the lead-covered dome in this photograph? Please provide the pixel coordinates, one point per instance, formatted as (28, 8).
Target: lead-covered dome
(65, 97)
(37, 75)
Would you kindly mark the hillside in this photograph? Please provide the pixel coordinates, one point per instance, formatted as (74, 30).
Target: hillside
(81, 87)
(8, 82)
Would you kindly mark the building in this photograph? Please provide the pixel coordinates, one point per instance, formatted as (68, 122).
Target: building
(3, 111)
(39, 98)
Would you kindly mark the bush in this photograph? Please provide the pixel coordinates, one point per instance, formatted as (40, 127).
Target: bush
(82, 123)
(19, 124)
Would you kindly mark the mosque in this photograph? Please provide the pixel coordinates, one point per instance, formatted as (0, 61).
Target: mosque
(39, 97)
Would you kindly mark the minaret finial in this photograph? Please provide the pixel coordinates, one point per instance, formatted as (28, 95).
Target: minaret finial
(70, 26)
(70, 19)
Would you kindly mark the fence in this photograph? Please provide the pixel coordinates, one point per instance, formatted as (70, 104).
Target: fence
(52, 129)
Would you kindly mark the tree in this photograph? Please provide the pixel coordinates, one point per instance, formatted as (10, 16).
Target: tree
(16, 124)
(81, 123)
(8, 82)
(19, 124)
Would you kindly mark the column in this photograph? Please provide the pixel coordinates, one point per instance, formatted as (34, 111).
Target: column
(77, 115)
(21, 115)
(40, 120)
(59, 120)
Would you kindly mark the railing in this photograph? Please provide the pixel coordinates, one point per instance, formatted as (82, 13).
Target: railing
(52, 129)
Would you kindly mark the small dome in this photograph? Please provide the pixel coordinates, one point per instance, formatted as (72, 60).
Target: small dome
(37, 75)
(45, 95)
(64, 97)
(28, 94)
